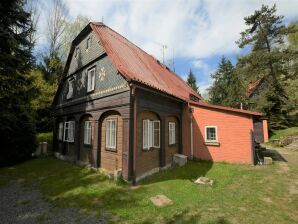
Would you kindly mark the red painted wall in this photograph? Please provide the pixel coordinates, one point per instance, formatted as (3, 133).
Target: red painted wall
(233, 131)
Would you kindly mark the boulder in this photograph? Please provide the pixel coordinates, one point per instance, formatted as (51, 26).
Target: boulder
(204, 181)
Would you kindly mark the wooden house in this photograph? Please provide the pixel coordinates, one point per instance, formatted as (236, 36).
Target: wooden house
(120, 109)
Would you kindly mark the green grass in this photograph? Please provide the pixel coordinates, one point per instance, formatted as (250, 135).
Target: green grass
(240, 194)
(281, 134)
(46, 137)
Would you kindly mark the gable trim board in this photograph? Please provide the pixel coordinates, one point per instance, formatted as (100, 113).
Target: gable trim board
(146, 89)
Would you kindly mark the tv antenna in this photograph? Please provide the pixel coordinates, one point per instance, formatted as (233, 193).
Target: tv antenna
(164, 47)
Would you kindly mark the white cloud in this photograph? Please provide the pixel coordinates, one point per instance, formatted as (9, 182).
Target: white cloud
(197, 29)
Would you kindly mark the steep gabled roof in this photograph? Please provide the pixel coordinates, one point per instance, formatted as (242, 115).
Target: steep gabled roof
(252, 87)
(136, 65)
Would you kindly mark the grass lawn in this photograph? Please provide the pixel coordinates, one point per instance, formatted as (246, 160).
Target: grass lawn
(241, 193)
(280, 134)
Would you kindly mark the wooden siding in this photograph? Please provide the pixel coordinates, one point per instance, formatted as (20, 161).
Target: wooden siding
(171, 149)
(111, 160)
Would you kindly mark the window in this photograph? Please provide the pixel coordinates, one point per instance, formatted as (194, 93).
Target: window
(70, 89)
(87, 133)
(111, 129)
(60, 131)
(88, 43)
(77, 52)
(91, 80)
(69, 128)
(211, 134)
(156, 134)
(151, 134)
(172, 133)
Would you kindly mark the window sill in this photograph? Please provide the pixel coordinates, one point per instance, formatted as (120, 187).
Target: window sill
(87, 145)
(111, 150)
(150, 149)
(212, 143)
(172, 145)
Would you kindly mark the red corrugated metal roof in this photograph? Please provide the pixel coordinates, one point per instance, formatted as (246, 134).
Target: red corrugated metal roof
(203, 104)
(135, 64)
(253, 86)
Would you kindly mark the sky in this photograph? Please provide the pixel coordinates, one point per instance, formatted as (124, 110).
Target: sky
(196, 33)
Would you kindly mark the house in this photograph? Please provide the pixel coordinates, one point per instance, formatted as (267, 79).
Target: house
(254, 88)
(120, 109)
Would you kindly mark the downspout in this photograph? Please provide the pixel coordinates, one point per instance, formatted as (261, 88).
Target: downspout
(191, 133)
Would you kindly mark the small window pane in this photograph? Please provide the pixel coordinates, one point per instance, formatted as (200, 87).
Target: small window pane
(172, 133)
(70, 89)
(60, 131)
(87, 133)
(91, 80)
(156, 134)
(111, 134)
(211, 134)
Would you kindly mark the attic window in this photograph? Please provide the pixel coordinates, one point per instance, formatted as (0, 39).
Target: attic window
(70, 89)
(88, 43)
(77, 52)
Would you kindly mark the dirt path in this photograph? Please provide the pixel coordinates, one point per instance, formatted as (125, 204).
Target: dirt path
(20, 205)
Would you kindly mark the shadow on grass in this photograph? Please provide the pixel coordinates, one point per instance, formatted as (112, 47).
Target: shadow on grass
(191, 171)
(274, 154)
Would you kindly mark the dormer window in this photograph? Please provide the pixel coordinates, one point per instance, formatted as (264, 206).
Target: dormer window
(88, 43)
(91, 80)
(77, 52)
(70, 89)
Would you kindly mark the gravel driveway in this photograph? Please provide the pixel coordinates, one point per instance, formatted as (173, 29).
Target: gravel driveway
(19, 204)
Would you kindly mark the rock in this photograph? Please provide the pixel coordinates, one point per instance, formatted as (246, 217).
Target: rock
(179, 159)
(204, 181)
(161, 200)
(267, 160)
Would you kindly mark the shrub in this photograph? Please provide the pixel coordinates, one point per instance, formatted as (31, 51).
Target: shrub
(46, 137)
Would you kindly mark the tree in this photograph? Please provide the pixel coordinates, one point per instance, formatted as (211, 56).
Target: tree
(226, 88)
(265, 35)
(71, 31)
(191, 81)
(17, 129)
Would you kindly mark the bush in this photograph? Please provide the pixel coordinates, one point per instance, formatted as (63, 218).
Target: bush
(17, 136)
(46, 137)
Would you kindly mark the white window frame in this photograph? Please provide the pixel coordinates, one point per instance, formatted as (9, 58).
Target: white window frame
(88, 43)
(216, 134)
(153, 134)
(87, 132)
(148, 134)
(60, 131)
(111, 143)
(70, 89)
(91, 80)
(69, 131)
(172, 133)
(77, 52)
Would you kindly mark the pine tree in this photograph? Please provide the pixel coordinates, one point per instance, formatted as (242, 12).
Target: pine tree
(226, 88)
(17, 129)
(192, 82)
(265, 35)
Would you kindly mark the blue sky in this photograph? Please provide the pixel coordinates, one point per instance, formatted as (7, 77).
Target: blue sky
(197, 33)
